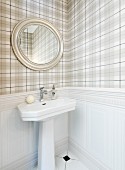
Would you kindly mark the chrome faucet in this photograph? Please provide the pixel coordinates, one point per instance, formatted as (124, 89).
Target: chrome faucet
(42, 91)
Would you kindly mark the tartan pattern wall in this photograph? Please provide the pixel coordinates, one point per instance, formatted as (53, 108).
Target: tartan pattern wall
(97, 42)
(25, 43)
(44, 45)
(14, 77)
(93, 32)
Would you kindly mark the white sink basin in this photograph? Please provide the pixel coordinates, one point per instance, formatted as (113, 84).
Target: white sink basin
(40, 111)
(44, 112)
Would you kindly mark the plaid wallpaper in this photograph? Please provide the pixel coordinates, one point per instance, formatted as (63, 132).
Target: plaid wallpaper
(14, 77)
(25, 43)
(45, 45)
(94, 44)
(97, 42)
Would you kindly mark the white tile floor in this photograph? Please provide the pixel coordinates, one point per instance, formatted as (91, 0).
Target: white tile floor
(72, 164)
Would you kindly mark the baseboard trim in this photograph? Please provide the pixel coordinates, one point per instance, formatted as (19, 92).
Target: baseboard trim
(61, 146)
(27, 161)
(85, 157)
(30, 161)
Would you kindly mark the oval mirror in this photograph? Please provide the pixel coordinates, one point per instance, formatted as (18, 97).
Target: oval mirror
(37, 44)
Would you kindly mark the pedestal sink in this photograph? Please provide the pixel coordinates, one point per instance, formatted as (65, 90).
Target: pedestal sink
(44, 113)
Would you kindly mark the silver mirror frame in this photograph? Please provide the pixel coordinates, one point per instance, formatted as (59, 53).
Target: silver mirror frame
(21, 57)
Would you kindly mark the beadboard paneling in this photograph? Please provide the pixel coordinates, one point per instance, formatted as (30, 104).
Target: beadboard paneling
(97, 128)
(19, 140)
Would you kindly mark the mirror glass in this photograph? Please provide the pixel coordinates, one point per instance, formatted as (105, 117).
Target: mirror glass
(38, 43)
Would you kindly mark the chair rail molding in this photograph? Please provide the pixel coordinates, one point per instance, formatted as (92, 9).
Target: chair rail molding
(109, 97)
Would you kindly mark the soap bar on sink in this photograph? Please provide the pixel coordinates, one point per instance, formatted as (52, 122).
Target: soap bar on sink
(30, 99)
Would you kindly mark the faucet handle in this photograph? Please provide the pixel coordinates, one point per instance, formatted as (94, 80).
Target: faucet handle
(41, 88)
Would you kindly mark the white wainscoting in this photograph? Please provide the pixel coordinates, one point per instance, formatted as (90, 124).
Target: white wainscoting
(97, 128)
(19, 140)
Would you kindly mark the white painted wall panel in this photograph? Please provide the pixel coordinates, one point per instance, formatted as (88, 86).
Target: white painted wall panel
(100, 132)
(18, 139)
(61, 127)
(77, 124)
(97, 128)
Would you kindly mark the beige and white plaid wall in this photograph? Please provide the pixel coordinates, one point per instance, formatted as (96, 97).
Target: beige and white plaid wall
(14, 77)
(97, 42)
(45, 45)
(94, 44)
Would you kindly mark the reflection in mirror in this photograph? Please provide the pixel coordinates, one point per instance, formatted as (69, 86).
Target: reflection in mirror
(38, 43)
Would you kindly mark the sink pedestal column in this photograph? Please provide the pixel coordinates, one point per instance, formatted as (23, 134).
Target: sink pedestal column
(46, 149)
